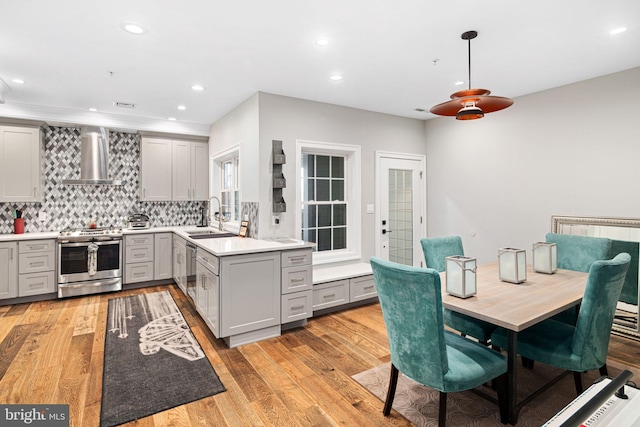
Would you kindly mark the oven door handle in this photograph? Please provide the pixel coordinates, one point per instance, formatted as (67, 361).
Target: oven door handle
(92, 259)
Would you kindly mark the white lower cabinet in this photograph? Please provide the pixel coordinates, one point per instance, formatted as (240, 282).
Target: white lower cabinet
(138, 259)
(331, 294)
(207, 299)
(162, 256)
(180, 263)
(36, 267)
(249, 293)
(8, 270)
(297, 306)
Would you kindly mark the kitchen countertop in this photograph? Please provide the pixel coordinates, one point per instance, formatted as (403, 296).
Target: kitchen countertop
(221, 246)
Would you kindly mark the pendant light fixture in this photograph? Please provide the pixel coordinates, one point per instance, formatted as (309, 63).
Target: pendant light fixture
(471, 104)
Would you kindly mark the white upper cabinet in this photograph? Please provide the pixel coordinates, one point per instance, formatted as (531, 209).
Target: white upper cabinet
(21, 152)
(181, 177)
(155, 170)
(174, 170)
(199, 171)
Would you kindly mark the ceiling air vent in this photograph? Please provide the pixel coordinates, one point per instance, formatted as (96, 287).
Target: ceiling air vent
(123, 104)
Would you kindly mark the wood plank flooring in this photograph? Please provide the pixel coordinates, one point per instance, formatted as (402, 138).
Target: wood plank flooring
(52, 352)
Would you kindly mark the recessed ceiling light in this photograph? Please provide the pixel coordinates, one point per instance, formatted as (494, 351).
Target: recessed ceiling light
(93, 109)
(618, 30)
(336, 77)
(133, 28)
(173, 119)
(181, 107)
(322, 42)
(458, 83)
(19, 81)
(197, 87)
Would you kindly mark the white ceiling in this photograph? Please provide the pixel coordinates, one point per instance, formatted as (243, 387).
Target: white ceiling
(74, 54)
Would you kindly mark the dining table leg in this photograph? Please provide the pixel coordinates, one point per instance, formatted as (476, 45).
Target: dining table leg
(512, 376)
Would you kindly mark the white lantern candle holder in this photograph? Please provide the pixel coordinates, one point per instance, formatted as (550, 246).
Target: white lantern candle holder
(545, 257)
(461, 276)
(512, 265)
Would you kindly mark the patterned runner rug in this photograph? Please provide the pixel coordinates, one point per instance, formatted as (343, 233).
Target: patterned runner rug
(152, 361)
(419, 404)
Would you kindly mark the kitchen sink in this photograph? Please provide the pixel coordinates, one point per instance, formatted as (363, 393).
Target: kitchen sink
(210, 235)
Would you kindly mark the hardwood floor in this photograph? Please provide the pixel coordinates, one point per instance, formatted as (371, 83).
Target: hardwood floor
(52, 352)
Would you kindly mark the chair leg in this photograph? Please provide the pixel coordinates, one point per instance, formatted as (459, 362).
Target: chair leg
(442, 414)
(501, 387)
(603, 370)
(391, 391)
(527, 363)
(577, 379)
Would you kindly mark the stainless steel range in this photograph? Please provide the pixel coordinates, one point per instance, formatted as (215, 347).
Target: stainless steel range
(89, 261)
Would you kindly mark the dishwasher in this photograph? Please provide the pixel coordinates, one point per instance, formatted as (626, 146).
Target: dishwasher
(192, 253)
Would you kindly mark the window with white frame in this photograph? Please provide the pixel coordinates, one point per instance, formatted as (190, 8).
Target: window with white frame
(229, 192)
(329, 196)
(226, 167)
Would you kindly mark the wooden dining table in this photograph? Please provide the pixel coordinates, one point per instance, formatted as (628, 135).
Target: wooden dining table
(516, 307)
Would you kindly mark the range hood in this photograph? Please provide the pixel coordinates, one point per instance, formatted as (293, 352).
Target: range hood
(94, 158)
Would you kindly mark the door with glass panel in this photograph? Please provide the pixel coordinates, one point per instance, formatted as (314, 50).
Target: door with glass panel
(401, 218)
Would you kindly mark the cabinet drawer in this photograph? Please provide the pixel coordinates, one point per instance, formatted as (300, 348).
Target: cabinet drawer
(139, 272)
(209, 261)
(362, 288)
(297, 306)
(296, 279)
(36, 246)
(35, 262)
(296, 257)
(135, 254)
(139, 239)
(330, 294)
(36, 283)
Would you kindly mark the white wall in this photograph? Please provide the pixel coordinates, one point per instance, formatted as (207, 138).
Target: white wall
(289, 119)
(240, 128)
(572, 150)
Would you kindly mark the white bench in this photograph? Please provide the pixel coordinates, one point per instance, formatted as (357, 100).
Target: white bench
(344, 286)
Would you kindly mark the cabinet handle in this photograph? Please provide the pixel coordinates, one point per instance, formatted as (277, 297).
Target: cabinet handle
(297, 307)
(36, 264)
(366, 288)
(11, 253)
(144, 193)
(298, 280)
(138, 274)
(35, 192)
(328, 296)
(297, 258)
(35, 247)
(36, 285)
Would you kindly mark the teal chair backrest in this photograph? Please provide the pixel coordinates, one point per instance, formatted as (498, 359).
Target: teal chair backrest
(591, 337)
(579, 252)
(629, 292)
(436, 249)
(411, 302)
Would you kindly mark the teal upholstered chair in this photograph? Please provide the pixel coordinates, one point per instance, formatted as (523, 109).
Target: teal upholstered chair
(578, 253)
(435, 250)
(582, 347)
(411, 302)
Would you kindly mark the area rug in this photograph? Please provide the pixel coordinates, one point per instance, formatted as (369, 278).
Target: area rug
(419, 404)
(152, 361)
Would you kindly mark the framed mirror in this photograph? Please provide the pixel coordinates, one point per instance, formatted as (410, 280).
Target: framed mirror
(625, 234)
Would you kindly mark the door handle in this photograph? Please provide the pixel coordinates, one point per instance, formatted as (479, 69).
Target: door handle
(385, 231)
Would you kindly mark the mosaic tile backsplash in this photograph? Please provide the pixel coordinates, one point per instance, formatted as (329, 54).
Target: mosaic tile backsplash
(72, 206)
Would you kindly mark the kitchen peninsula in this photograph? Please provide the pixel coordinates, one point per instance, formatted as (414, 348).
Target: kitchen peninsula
(245, 289)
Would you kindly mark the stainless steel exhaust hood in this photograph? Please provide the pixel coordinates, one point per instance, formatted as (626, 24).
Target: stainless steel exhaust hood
(94, 158)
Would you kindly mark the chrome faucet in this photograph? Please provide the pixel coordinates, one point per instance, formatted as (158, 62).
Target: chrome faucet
(221, 219)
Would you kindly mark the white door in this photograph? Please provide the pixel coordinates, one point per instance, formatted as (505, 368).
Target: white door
(401, 207)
